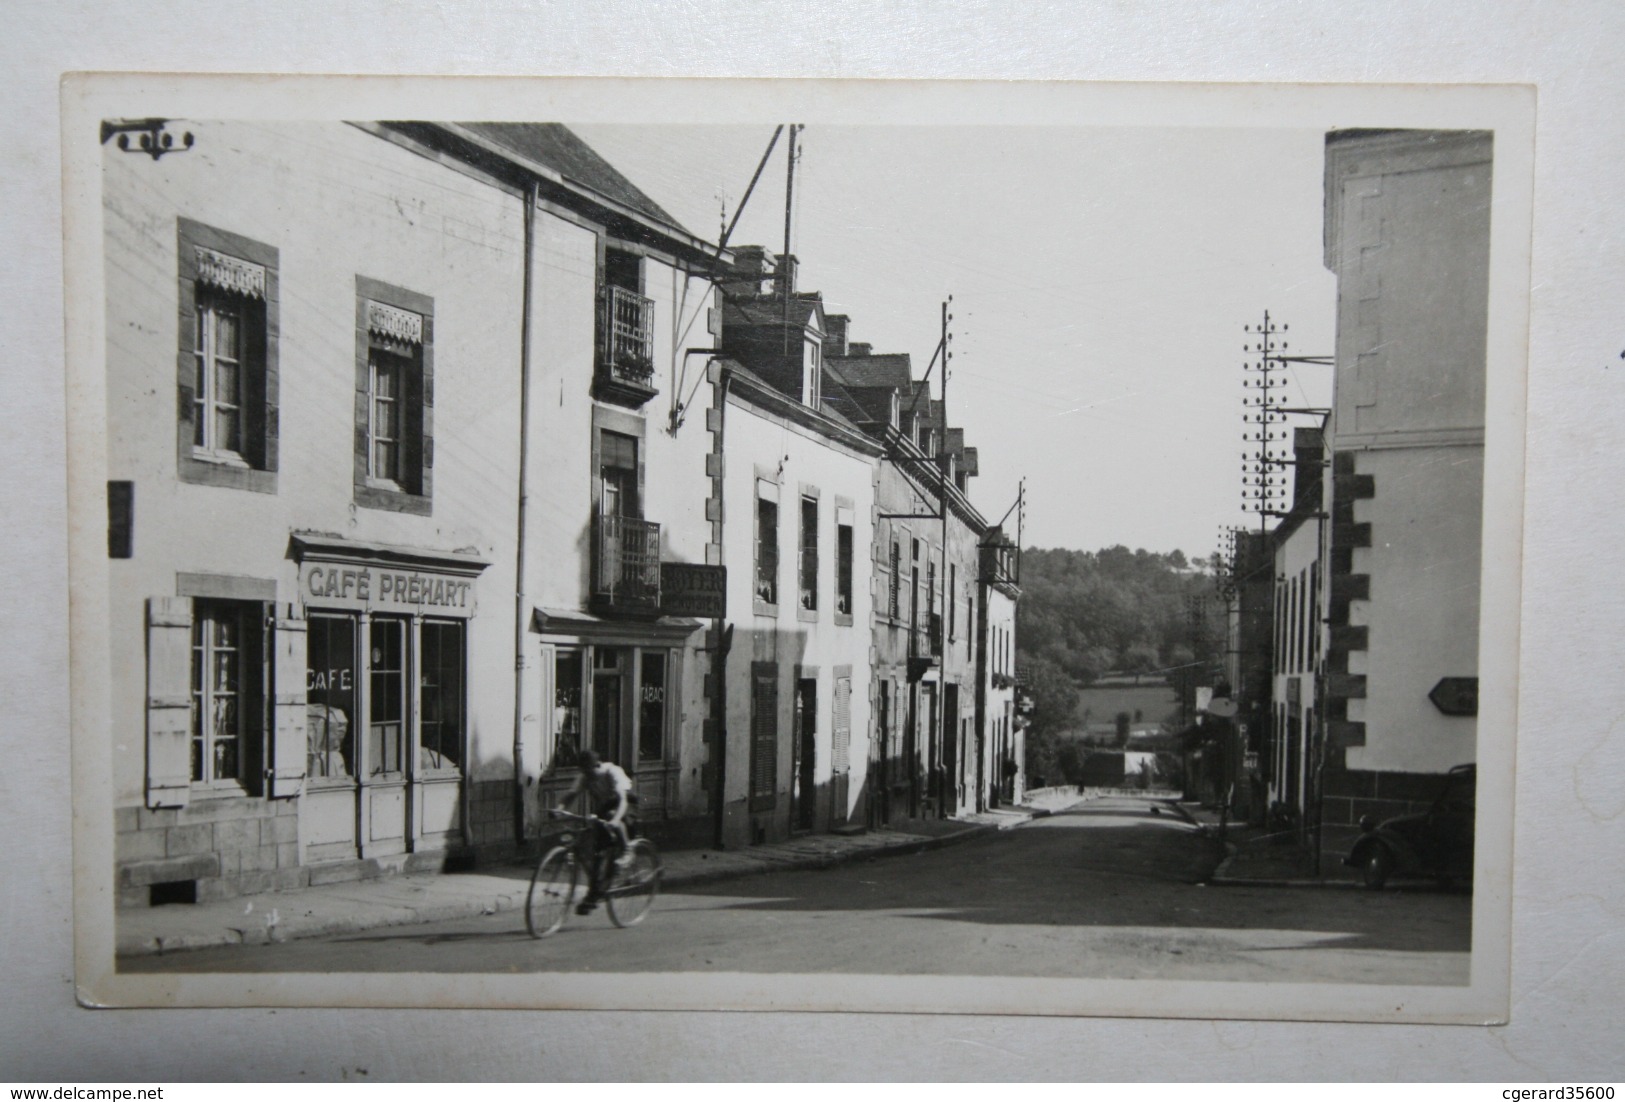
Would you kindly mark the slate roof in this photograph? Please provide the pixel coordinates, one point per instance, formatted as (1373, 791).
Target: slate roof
(769, 309)
(892, 369)
(555, 146)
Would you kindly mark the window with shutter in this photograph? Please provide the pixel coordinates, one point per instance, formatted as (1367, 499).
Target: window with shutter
(764, 735)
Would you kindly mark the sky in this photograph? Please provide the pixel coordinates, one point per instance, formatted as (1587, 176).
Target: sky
(1101, 279)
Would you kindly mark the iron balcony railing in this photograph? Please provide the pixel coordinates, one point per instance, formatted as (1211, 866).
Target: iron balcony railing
(628, 563)
(629, 337)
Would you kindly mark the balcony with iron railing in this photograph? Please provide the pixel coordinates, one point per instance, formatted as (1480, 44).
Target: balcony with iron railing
(627, 580)
(626, 368)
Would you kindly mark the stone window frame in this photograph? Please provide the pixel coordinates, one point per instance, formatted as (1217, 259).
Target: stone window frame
(256, 468)
(766, 488)
(845, 517)
(415, 495)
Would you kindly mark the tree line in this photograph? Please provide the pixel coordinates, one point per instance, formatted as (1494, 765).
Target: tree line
(1084, 615)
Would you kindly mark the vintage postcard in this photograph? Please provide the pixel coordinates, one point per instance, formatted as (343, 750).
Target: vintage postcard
(914, 547)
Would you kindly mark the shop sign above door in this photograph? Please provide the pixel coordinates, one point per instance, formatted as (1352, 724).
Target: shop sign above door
(372, 587)
(693, 589)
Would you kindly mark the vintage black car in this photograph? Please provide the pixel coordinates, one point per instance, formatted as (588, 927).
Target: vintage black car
(1437, 842)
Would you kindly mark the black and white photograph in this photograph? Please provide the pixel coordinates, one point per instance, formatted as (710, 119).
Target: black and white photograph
(1023, 549)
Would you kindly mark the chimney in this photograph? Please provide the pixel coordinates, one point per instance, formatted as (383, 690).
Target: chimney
(784, 275)
(750, 271)
(859, 348)
(835, 337)
(1308, 453)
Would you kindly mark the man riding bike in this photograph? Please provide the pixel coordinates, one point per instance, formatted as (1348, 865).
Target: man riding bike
(609, 797)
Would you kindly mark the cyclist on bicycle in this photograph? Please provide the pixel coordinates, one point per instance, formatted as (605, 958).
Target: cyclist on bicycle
(609, 794)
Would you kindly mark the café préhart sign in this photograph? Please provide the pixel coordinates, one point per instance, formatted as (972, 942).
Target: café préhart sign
(382, 588)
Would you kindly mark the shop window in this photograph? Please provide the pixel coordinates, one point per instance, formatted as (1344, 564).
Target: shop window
(441, 699)
(228, 370)
(767, 545)
(395, 388)
(412, 717)
(227, 693)
(330, 696)
(807, 565)
(652, 707)
(567, 694)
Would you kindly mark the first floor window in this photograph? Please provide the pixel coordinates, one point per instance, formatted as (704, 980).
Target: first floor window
(228, 371)
(225, 680)
(394, 380)
(809, 554)
(767, 549)
(222, 359)
(387, 380)
(843, 569)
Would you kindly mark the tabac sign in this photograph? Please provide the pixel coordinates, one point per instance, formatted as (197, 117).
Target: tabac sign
(693, 589)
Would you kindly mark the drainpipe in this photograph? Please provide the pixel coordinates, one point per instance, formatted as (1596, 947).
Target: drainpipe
(521, 596)
(723, 641)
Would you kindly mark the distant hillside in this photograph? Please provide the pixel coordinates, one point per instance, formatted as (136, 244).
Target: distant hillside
(1091, 613)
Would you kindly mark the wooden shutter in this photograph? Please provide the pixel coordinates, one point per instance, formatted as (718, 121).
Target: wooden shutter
(764, 736)
(285, 772)
(169, 701)
(841, 749)
(547, 705)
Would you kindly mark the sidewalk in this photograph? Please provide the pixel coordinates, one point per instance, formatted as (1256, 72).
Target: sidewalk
(1256, 858)
(436, 897)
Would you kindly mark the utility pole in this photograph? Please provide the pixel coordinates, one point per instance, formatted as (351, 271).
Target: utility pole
(949, 727)
(785, 278)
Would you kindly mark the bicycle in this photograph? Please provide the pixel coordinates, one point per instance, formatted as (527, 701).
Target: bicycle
(629, 890)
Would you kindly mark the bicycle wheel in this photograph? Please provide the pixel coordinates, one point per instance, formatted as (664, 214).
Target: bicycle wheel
(635, 886)
(552, 891)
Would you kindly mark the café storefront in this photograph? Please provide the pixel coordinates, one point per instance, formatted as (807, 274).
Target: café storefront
(386, 701)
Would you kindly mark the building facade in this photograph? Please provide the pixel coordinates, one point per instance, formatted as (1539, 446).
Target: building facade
(796, 521)
(1407, 234)
(377, 465)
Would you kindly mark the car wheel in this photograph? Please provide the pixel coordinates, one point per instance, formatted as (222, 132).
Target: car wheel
(1377, 866)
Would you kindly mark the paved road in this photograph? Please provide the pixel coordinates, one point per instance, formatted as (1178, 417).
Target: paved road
(1106, 890)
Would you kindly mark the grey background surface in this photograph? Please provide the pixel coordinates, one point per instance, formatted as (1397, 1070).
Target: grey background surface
(1569, 940)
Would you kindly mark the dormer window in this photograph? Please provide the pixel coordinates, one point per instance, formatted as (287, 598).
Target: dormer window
(813, 384)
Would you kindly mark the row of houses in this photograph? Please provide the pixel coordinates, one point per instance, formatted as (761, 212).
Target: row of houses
(441, 452)
(1355, 623)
